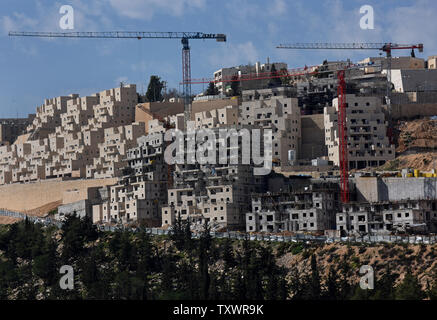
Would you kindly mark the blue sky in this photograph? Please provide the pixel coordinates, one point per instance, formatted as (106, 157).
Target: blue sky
(32, 69)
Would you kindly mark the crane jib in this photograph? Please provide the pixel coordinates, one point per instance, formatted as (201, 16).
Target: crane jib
(123, 34)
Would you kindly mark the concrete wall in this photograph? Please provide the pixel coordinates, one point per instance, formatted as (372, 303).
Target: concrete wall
(162, 109)
(313, 137)
(200, 106)
(29, 196)
(413, 110)
(395, 189)
(81, 208)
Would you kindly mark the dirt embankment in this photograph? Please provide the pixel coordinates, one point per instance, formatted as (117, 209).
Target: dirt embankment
(421, 161)
(417, 135)
(416, 146)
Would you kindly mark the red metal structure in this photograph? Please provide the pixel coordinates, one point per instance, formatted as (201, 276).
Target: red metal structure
(341, 92)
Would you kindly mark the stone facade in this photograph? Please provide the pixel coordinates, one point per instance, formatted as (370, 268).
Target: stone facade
(368, 144)
(274, 109)
(72, 136)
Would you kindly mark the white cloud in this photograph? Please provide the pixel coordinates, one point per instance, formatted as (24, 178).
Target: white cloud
(121, 79)
(234, 54)
(146, 9)
(413, 24)
(17, 21)
(277, 8)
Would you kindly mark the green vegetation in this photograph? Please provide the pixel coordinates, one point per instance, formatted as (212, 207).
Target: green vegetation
(211, 90)
(154, 90)
(128, 265)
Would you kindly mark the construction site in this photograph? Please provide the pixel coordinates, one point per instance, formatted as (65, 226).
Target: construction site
(352, 147)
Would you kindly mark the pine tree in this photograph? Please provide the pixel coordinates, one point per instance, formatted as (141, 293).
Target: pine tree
(235, 86)
(316, 290)
(409, 289)
(204, 250)
(331, 292)
(385, 285)
(211, 90)
(432, 291)
(154, 90)
(275, 81)
(344, 285)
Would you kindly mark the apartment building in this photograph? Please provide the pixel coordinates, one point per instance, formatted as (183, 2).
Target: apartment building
(223, 76)
(113, 150)
(216, 193)
(307, 208)
(142, 190)
(227, 116)
(385, 217)
(274, 109)
(432, 62)
(72, 136)
(150, 111)
(368, 144)
(48, 116)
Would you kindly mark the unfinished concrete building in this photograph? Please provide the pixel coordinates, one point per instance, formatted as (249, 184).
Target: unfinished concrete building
(223, 76)
(274, 109)
(368, 144)
(215, 193)
(387, 217)
(304, 208)
(142, 190)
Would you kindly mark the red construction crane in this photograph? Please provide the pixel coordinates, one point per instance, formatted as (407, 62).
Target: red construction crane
(184, 36)
(341, 93)
(385, 47)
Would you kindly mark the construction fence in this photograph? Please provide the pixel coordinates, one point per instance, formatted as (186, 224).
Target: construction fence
(417, 239)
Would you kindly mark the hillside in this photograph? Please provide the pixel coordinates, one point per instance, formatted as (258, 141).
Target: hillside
(417, 135)
(126, 265)
(416, 146)
(425, 161)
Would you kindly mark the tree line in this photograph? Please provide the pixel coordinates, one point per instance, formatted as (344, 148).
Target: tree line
(128, 265)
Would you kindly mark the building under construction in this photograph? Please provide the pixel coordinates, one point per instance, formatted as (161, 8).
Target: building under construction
(309, 205)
